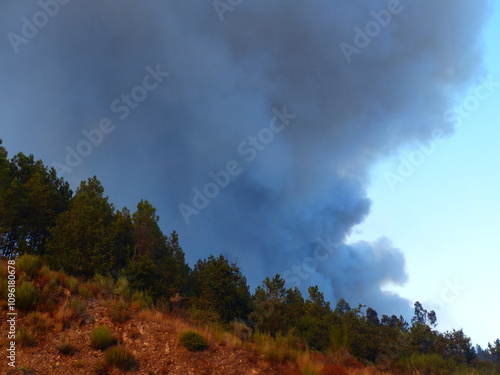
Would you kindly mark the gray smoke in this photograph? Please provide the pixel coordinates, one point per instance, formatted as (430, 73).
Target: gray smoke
(233, 66)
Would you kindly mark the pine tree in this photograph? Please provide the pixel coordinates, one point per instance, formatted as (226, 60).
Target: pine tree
(31, 197)
(81, 240)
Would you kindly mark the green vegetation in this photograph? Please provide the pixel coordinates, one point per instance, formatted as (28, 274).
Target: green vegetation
(119, 357)
(193, 341)
(29, 264)
(126, 256)
(27, 295)
(24, 337)
(101, 338)
(65, 346)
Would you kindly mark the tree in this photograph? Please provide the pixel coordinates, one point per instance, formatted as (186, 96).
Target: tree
(150, 244)
(220, 287)
(269, 305)
(372, 316)
(80, 241)
(148, 237)
(31, 197)
(456, 346)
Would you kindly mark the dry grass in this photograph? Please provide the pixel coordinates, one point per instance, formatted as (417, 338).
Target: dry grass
(307, 365)
(72, 310)
(39, 322)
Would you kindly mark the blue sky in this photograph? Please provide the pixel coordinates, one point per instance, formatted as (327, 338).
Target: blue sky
(445, 215)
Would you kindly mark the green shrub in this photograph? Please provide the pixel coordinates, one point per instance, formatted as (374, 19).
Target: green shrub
(193, 341)
(65, 347)
(430, 364)
(119, 357)
(29, 264)
(122, 287)
(52, 285)
(101, 338)
(24, 337)
(120, 311)
(143, 299)
(84, 291)
(101, 368)
(77, 305)
(79, 364)
(71, 283)
(27, 296)
(45, 271)
(103, 283)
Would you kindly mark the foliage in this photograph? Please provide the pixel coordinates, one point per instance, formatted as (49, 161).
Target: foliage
(81, 236)
(24, 337)
(109, 251)
(31, 198)
(119, 357)
(39, 322)
(101, 338)
(65, 346)
(220, 287)
(120, 311)
(29, 264)
(193, 341)
(27, 296)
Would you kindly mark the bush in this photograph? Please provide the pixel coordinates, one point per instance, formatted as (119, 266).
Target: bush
(77, 306)
(120, 311)
(29, 264)
(39, 322)
(84, 291)
(27, 296)
(143, 299)
(101, 368)
(101, 338)
(119, 357)
(430, 364)
(72, 309)
(65, 347)
(193, 341)
(24, 337)
(122, 287)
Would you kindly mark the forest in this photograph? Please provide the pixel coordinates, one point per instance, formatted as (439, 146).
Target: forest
(82, 234)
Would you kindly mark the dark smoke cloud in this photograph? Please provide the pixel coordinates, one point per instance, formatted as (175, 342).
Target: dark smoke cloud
(226, 78)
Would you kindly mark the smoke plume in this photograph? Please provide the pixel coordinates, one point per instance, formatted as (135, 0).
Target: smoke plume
(274, 111)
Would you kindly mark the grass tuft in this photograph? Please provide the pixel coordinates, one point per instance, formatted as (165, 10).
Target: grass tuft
(24, 337)
(27, 296)
(29, 264)
(101, 338)
(119, 357)
(193, 341)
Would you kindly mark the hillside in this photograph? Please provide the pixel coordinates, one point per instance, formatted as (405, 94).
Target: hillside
(67, 311)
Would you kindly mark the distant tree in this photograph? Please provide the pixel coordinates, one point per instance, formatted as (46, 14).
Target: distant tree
(122, 240)
(31, 197)
(457, 346)
(494, 352)
(269, 305)
(342, 307)
(220, 287)
(148, 237)
(153, 249)
(372, 316)
(80, 241)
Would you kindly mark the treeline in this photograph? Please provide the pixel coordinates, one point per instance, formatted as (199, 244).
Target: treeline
(84, 235)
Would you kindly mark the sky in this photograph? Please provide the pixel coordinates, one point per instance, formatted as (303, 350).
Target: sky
(319, 140)
(445, 213)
